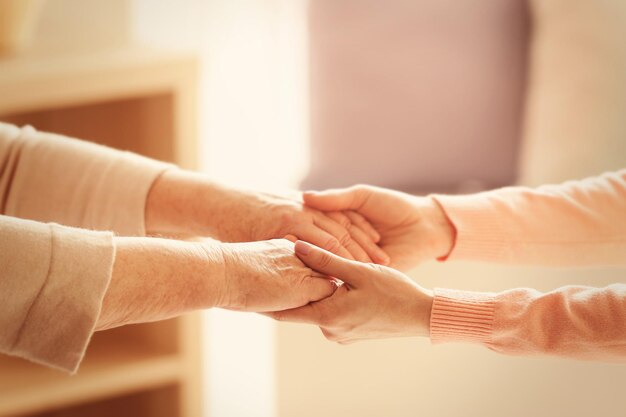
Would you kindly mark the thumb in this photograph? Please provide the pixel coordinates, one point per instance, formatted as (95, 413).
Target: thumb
(335, 200)
(328, 263)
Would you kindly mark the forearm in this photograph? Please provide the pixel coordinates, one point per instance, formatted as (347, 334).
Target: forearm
(155, 279)
(571, 224)
(52, 178)
(573, 321)
(52, 282)
(438, 229)
(184, 203)
(187, 203)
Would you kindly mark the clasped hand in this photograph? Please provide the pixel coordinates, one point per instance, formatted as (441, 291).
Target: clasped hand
(375, 301)
(350, 232)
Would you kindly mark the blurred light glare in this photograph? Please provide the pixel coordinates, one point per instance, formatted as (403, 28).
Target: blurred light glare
(253, 134)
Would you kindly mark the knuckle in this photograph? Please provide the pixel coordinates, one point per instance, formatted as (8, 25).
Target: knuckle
(345, 240)
(356, 216)
(327, 287)
(304, 280)
(343, 221)
(376, 268)
(288, 217)
(363, 189)
(324, 260)
(353, 216)
(332, 245)
(359, 219)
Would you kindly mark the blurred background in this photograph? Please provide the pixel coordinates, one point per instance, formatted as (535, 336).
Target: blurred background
(422, 96)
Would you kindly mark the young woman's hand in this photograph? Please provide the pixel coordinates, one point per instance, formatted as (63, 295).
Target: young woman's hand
(412, 229)
(373, 302)
(181, 202)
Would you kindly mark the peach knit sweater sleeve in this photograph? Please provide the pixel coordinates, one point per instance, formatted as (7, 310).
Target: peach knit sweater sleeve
(52, 277)
(578, 223)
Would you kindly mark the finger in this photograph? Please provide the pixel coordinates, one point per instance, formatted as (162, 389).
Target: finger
(319, 313)
(338, 225)
(309, 314)
(360, 221)
(310, 290)
(377, 254)
(335, 200)
(362, 242)
(339, 217)
(330, 264)
(323, 239)
(317, 288)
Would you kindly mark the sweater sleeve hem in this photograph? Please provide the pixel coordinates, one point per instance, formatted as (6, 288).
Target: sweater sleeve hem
(81, 184)
(478, 233)
(462, 316)
(132, 195)
(60, 322)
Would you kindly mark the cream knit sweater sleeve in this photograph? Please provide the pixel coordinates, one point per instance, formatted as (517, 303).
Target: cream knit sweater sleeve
(52, 178)
(578, 223)
(53, 278)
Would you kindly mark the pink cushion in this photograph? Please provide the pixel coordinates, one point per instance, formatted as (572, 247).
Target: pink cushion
(418, 95)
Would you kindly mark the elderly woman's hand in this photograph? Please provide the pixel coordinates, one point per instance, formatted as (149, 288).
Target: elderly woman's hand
(266, 276)
(154, 279)
(182, 202)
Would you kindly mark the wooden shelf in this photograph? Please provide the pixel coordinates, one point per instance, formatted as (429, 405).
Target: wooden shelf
(133, 99)
(158, 402)
(30, 84)
(108, 370)
(67, 78)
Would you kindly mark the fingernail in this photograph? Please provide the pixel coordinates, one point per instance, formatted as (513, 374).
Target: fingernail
(302, 248)
(382, 258)
(291, 238)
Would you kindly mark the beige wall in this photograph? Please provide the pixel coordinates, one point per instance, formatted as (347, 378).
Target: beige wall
(78, 24)
(575, 127)
(576, 106)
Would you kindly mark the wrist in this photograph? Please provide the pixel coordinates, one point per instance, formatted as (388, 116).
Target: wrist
(442, 231)
(230, 288)
(180, 203)
(421, 311)
(155, 279)
(165, 203)
(214, 260)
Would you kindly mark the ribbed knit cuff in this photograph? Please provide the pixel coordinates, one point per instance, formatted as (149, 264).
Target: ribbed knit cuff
(461, 316)
(479, 236)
